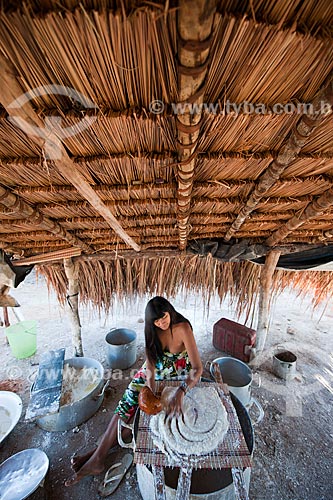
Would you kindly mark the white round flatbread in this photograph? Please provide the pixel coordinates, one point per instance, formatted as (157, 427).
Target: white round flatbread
(200, 429)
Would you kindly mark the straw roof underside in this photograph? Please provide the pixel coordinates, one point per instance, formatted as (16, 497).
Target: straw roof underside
(122, 56)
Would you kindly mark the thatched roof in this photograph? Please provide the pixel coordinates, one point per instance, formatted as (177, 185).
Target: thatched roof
(136, 179)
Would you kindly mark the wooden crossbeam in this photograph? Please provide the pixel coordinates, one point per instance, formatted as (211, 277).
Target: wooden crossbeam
(287, 154)
(170, 156)
(141, 220)
(9, 90)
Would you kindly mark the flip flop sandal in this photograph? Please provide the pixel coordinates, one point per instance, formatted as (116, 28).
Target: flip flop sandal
(114, 475)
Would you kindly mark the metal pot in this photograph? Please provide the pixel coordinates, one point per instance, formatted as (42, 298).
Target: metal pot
(121, 348)
(206, 484)
(73, 414)
(239, 378)
(284, 364)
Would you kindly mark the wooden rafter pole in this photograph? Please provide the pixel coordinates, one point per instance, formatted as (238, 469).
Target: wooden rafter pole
(315, 208)
(329, 233)
(287, 153)
(72, 273)
(52, 257)
(264, 296)
(10, 89)
(195, 24)
(146, 155)
(18, 206)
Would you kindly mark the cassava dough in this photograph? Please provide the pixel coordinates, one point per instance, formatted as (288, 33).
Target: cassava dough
(200, 429)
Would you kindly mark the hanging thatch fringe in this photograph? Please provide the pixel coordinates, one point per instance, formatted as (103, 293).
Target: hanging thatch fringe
(102, 281)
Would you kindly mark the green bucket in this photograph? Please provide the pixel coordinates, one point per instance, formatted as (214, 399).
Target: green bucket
(22, 338)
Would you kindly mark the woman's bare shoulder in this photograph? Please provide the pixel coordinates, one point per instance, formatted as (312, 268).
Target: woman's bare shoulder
(182, 328)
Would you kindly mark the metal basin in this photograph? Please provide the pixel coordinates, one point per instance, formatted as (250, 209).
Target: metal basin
(10, 412)
(22, 473)
(87, 393)
(239, 378)
(237, 375)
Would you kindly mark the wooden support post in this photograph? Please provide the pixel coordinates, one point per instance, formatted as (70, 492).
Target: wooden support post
(265, 288)
(6, 317)
(72, 273)
(6, 323)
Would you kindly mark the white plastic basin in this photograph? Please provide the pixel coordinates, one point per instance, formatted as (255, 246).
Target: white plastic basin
(10, 412)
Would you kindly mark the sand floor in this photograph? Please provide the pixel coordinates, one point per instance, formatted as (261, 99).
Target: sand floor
(293, 443)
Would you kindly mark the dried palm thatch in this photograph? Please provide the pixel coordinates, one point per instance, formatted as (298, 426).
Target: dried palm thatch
(312, 14)
(259, 78)
(102, 281)
(317, 284)
(122, 55)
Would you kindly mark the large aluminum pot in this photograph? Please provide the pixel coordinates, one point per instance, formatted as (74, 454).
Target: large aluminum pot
(206, 484)
(89, 395)
(239, 378)
(121, 348)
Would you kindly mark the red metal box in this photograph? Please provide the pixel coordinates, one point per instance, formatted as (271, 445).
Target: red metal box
(233, 338)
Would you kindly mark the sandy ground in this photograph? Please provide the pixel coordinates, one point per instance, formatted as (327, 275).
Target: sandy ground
(293, 443)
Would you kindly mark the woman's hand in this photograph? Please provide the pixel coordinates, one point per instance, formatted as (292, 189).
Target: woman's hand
(175, 406)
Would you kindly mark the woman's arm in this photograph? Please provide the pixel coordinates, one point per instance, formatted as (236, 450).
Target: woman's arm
(150, 373)
(175, 406)
(194, 357)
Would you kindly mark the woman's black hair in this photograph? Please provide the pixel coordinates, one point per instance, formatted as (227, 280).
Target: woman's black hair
(155, 309)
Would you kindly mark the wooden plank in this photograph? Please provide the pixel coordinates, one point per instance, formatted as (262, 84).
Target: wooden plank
(239, 484)
(46, 392)
(159, 482)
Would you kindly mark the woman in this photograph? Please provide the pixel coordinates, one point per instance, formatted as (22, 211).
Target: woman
(171, 351)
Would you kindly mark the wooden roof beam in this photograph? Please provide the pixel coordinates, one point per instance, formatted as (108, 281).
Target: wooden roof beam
(10, 89)
(287, 153)
(317, 207)
(172, 156)
(195, 25)
(20, 207)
